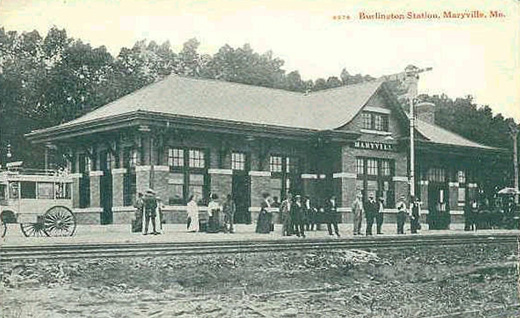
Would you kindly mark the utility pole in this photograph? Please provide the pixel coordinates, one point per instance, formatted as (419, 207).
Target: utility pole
(514, 134)
(410, 78)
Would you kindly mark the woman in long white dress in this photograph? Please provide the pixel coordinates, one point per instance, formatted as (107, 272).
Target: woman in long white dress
(193, 215)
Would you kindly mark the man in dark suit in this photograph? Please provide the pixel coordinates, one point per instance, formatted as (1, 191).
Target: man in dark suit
(297, 211)
(371, 209)
(331, 212)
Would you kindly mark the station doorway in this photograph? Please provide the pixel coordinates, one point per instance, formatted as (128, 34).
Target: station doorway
(438, 206)
(241, 194)
(106, 162)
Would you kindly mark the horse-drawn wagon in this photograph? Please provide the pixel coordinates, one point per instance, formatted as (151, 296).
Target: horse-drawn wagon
(40, 201)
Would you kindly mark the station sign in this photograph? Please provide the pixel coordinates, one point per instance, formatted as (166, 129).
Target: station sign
(373, 145)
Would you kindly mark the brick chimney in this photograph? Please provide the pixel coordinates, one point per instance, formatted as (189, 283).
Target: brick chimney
(426, 112)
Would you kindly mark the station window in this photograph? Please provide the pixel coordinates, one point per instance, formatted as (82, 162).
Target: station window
(196, 186)
(275, 164)
(374, 121)
(285, 175)
(196, 159)
(176, 188)
(436, 175)
(238, 161)
(367, 120)
(376, 180)
(372, 167)
(385, 168)
(360, 166)
(187, 174)
(175, 157)
(291, 164)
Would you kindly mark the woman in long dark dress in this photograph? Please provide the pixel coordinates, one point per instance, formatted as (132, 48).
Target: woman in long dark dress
(263, 225)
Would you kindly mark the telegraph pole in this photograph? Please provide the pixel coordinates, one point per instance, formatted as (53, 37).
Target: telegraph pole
(411, 80)
(514, 134)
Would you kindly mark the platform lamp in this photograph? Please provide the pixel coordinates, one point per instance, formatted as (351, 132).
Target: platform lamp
(513, 130)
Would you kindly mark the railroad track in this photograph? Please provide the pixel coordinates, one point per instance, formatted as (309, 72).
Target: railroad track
(111, 250)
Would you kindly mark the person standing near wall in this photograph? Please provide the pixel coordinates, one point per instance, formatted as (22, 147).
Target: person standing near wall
(297, 211)
(150, 211)
(229, 209)
(371, 210)
(357, 213)
(415, 212)
(380, 215)
(263, 224)
(213, 214)
(192, 223)
(331, 210)
(401, 215)
(285, 212)
(137, 223)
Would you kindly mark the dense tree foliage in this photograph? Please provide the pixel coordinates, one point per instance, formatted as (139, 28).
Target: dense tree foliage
(49, 80)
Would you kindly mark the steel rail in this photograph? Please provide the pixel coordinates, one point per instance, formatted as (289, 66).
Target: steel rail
(111, 250)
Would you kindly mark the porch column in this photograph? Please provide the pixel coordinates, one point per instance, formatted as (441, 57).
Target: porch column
(260, 183)
(142, 178)
(401, 186)
(118, 177)
(76, 177)
(160, 182)
(347, 184)
(95, 188)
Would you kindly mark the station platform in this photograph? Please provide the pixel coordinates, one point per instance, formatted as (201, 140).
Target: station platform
(121, 233)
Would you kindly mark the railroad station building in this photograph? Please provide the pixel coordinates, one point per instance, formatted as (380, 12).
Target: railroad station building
(183, 136)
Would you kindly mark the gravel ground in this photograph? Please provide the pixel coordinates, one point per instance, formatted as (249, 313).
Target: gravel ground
(420, 282)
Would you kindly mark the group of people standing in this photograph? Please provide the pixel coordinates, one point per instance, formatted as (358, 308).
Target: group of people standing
(373, 211)
(148, 210)
(219, 216)
(298, 214)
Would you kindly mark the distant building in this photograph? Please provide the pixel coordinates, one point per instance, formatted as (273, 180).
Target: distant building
(184, 135)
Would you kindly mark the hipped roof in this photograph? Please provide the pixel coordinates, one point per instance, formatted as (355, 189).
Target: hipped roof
(221, 100)
(246, 104)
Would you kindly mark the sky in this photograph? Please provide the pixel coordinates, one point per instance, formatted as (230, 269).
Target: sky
(470, 56)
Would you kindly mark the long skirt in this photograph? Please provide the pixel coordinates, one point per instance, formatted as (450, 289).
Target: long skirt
(263, 225)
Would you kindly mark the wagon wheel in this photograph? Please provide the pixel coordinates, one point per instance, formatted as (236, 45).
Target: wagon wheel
(33, 229)
(59, 221)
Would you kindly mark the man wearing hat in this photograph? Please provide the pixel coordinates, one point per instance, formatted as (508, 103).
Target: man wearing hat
(150, 211)
(297, 216)
(371, 209)
(357, 212)
(401, 215)
(331, 211)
